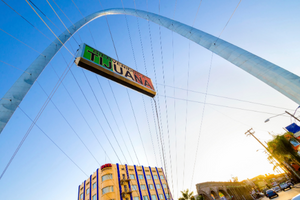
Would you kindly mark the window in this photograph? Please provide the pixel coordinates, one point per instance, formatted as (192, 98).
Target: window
(168, 196)
(106, 177)
(148, 177)
(155, 176)
(134, 187)
(157, 186)
(151, 186)
(88, 191)
(161, 177)
(131, 176)
(94, 185)
(153, 197)
(161, 196)
(141, 176)
(81, 195)
(136, 198)
(107, 189)
(145, 197)
(143, 187)
(164, 185)
(94, 197)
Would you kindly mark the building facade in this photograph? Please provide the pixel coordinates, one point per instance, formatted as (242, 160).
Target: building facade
(125, 182)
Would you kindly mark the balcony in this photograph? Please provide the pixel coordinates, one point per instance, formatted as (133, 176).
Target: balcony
(126, 191)
(124, 180)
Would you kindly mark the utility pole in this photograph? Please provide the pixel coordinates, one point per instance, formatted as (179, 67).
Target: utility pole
(284, 164)
(292, 116)
(252, 133)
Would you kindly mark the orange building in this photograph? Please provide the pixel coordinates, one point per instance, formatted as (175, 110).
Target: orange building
(125, 182)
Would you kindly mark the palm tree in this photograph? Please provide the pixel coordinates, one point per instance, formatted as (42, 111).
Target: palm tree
(186, 195)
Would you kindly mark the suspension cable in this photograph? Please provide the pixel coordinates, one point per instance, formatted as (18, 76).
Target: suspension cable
(175, 117)
(27, 21)
(152, 106)
(145, 66)
(187, 94)
(22, 42)
(205, 97)
(67, 69)
(15, 67)
(166, 105)
(103, 113)
(49, 28)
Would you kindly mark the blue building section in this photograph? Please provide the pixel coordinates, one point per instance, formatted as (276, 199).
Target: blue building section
(84, 190)
(163, 189)
(78, 191)
(138, 183)
(147, 183)
(120, 188)
(129, 181)
(154, 183)
(90, 192)
(171, 197)
(97, 184)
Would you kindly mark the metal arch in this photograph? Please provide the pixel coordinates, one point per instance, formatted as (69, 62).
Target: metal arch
(280, 79)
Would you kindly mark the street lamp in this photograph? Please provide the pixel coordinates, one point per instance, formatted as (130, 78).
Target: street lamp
(273, 117)
(286, 112)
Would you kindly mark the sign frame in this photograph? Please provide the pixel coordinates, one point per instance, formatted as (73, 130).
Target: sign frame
(107, 71)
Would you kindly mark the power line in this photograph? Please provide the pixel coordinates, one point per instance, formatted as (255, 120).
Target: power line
(95, 116)
(85, 20)
(145, 66)
(187, 94)
(166, 105)
(38, 116)
(111, 36)
(15, 67)
(114, 96)
(22, 42)
(175, 117)
(69, 124)
(112, 113)
(250, 110)
(230, 98)
(48, 27)
(45, 15)
(153, 110)
(52, 142)
(112, 39)
(103, 113)
(137, 126)
(26, 20)
(61, 21)
(67, 18)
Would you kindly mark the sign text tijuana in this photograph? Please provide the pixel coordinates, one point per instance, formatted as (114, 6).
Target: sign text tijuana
(99, 63)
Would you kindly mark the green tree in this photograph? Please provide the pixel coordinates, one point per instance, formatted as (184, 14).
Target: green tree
(282, 150)
(186, 195)
(200, 197)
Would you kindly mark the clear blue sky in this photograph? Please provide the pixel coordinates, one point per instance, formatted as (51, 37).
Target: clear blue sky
(269, 29)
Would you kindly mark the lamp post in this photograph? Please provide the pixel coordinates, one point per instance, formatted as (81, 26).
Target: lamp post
(286, 112)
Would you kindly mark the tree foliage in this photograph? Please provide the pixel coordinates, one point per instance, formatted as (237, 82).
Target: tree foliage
(282, 150)
(200, 197)
(186, 195)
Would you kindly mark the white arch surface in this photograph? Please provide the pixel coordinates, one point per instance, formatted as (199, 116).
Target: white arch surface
(280, 79)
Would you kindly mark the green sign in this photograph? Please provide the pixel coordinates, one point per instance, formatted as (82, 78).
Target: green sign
(97, 62)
